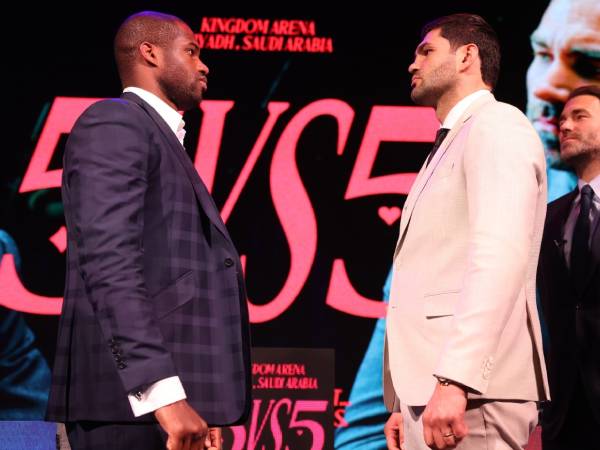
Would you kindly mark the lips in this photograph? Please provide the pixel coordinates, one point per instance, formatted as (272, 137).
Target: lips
(568, 138)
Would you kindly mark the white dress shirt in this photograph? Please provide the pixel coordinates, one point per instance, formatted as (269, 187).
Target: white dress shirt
(168, 390)
(168, 114)
(458, 109)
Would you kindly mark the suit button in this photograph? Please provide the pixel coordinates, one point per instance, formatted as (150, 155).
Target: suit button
(578, 306)
(228, 262)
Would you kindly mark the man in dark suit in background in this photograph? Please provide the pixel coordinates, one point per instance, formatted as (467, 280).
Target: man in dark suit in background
(569, 283)
(154, 325)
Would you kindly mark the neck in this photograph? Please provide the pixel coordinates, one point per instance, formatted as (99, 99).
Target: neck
(150, 85)
(588, 171)
(451, 97)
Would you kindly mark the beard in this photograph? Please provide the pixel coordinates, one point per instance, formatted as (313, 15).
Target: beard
(434, 85)
(184, 92)
(580, 152)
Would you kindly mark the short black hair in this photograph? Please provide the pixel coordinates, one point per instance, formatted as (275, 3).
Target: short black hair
(151, 26)
(589, 89)
(461, 29)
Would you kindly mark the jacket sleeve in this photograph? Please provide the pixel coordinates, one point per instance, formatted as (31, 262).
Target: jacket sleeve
(504, 171)
(105, 175)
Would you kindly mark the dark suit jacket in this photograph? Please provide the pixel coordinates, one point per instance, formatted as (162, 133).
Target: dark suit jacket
(154, 284)
(572, 316)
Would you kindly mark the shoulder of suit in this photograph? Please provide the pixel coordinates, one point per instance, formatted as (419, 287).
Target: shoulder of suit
(113, 110)
(559, 209)
(114, 107)
(562, 202)
(503, 116)
(505, 110)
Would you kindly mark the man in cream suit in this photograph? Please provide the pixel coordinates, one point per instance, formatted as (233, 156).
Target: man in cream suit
(463, 363)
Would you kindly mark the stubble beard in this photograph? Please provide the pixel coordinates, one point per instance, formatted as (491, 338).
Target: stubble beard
(434, 85)
(179, 90)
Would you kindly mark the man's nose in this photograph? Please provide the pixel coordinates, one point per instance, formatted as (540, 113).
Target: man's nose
(203, 68)
(565, 127)
(413, 67)
(557, 83)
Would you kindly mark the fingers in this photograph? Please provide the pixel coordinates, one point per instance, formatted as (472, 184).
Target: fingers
(174, 443)
(449, 438)
(428, 434)
(214, 439)
(401, 431)
(392, 440)
(438, 439)
(186, 443)
(200, 440)
(459, 428)
(394, 432)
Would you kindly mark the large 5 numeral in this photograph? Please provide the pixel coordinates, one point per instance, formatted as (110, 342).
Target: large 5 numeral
(386, 123)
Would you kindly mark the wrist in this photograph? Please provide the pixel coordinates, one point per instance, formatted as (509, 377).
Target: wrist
(443, 382)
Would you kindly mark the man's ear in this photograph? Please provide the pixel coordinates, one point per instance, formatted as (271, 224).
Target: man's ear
(150, 53)
(467, 56)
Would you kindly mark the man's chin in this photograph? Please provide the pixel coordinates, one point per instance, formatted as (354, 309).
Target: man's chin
(191, 103)
(420, 97)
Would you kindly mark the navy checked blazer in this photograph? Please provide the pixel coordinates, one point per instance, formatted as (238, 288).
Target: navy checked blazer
(154, 284)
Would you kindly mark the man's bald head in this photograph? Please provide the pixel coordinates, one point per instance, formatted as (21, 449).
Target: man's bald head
(147, 26)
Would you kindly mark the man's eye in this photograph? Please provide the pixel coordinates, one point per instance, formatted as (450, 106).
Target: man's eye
(544, 55)
(587, 67)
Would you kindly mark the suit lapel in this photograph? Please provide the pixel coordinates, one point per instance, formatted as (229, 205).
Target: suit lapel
(202, 194)
(558, 213)
(555, 227)
(594, 250)
(427, 170)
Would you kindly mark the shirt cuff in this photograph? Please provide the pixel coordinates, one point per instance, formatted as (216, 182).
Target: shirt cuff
(159, 394)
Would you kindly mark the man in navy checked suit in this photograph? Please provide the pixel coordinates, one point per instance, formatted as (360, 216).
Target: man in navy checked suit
(154, 325)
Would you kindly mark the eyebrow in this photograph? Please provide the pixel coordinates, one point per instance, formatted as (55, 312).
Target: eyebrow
(587, 52)
(193, 44)
(420, 47)
(571, 44)
(575, 111)
(537, 39)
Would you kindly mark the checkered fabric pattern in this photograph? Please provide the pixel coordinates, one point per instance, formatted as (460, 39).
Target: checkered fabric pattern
(154, 284)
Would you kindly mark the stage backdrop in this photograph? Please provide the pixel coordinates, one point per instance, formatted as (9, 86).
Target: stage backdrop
(307, 140)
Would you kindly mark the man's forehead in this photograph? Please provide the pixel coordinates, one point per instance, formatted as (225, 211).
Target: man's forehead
(565, 20)
(586, 102)
(434, 37)
(185, 32)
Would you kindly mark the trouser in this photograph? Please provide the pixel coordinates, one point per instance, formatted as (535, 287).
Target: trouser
(114, 436)
(493, 425)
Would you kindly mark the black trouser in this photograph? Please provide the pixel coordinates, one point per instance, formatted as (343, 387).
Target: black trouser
(115, 436)
(580, 430)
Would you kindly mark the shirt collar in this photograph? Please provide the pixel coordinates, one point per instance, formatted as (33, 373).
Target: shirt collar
(458, 109)
(168, 114)
(595, 184)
